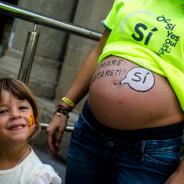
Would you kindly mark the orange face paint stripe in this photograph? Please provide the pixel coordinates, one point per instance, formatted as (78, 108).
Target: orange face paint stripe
(31, 120)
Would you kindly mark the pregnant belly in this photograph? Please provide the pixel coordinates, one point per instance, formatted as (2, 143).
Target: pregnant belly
(124, 95)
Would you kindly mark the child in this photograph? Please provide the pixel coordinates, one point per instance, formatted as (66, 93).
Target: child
(18, 124)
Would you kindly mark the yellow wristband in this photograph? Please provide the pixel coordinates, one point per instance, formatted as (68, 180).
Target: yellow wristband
(68, 101)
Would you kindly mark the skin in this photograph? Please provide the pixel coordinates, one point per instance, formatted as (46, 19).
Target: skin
(126, 95)
(134, 94)
(15, 129)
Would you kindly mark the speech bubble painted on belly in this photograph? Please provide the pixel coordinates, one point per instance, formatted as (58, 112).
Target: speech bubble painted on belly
(139, 79)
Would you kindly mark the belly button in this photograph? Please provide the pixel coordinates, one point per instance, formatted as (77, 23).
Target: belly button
(116, 82)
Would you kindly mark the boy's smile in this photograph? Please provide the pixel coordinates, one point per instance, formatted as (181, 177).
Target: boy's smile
(16, 118)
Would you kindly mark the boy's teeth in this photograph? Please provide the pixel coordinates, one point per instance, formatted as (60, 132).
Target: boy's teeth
(17, 127)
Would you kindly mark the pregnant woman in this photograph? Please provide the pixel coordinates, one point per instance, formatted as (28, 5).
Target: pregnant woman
(130, 128)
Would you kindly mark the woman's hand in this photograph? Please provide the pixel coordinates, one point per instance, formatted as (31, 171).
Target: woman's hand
(55, 132)
(178, 176)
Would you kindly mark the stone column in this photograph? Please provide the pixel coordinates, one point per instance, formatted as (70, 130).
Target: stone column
(89, 14)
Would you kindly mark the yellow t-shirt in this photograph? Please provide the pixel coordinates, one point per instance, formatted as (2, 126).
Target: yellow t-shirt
(151, 34)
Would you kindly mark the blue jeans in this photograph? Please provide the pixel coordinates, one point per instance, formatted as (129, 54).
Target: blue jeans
(99, 157)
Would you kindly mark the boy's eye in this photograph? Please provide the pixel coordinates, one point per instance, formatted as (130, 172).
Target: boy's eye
(23, 107)
(3, 111)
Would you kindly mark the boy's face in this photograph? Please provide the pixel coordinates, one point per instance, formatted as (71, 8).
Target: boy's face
(16, 119)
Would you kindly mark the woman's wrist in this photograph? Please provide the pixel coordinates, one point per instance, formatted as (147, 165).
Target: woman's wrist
(64, 107)
(61, 110)
(67, 101)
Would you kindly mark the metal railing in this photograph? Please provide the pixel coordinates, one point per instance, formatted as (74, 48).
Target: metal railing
(32, 39)
(28, 56)
(47, 21)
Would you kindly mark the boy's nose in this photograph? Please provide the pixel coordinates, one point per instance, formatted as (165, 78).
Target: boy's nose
(15, 113)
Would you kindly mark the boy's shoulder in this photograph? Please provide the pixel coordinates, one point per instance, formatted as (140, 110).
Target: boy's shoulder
(40, 172)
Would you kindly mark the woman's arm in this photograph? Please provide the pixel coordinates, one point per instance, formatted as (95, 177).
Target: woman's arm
(80, 86)
(76, 92)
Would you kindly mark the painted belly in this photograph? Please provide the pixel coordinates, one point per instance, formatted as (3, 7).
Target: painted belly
(124, 95)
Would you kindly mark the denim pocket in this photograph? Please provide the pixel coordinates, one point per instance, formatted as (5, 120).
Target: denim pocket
(78, 127)
(164, 156)
(82, 128)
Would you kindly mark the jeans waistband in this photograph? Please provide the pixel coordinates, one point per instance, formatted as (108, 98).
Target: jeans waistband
(156, 133)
